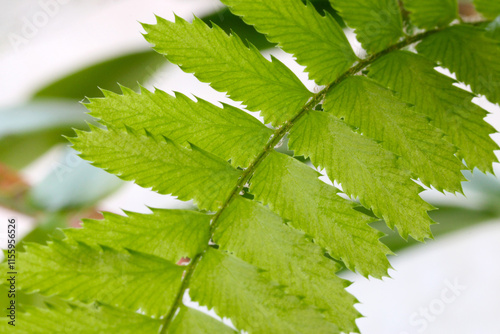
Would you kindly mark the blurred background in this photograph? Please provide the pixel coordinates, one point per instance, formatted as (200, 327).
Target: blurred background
(54, 53)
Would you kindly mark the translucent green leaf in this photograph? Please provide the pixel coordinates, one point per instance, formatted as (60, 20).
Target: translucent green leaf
(229, 133)
(377, 23)
(428, 14)
(240, 291)
(459, 46)
(380, 115)
(80, 320)
(316, 41)
(450, 108)
(170, 234)
(489, 8)
(230, 66)
(293, 190)
(156, 162)
(260, 237)
(365, 170)
(190, 321)
(129, 279)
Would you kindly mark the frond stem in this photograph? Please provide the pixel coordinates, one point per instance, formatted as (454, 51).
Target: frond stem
(184, 286)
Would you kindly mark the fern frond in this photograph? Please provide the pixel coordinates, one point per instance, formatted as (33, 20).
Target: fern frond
(268, 236)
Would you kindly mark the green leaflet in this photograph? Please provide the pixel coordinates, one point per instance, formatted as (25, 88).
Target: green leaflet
(258, 236)
(378, 114)
(365, 170)
(230, 66)
(159, 163)
(242, 293)
(76, 271)
(316, 41)
(229, 133)
(190, 321)
(377, 23)
(293, 190)
(489, 8)
(458, 46)
(428, 14)
(169, 234)
(450, 108)
(80, 320)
